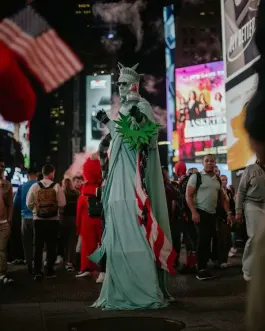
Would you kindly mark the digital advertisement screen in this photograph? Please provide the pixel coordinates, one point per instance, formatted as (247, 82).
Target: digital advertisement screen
(170, 47)
(239, 154)
(98, 97)
(21, 134)
(200, 112)
(239, 26)
(240, 54)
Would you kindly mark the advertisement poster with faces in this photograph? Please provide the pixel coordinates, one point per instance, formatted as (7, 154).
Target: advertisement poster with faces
(98, 97)
(240, 53)
(200, 112)
(239, 25)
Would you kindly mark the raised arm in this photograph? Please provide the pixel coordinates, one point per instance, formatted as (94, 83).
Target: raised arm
(103, 118)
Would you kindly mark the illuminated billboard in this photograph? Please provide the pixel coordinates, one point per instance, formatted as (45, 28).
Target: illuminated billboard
(200, 112)
(170, 47)
(20, 133)
(239, 154)
(239, 25)
(240, 53)
(98, 97)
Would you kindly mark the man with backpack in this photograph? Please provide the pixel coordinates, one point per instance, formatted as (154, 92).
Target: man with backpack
(202, 194)
(44, 199)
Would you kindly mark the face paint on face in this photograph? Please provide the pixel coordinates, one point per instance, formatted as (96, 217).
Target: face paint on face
(124, 88)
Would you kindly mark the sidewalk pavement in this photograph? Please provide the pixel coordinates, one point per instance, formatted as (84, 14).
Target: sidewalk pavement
(61, 304)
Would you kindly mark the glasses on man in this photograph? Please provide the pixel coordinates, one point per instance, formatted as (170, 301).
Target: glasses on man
(122, 84)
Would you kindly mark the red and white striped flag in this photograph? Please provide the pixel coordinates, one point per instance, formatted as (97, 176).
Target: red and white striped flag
(37, 44)
(164, 253)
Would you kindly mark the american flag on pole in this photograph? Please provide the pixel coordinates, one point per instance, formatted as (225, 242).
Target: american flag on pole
(164, 253)
(37, 44)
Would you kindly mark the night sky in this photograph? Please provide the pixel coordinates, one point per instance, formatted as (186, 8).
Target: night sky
(87, 43)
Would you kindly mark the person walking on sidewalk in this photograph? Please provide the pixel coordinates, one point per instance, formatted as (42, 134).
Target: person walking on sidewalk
(27, 233)
(251, 199)
(45, 198)
(203, 190)
(6, 209)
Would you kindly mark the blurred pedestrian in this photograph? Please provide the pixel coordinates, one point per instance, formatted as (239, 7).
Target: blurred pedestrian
(6, 209)
(27, 226)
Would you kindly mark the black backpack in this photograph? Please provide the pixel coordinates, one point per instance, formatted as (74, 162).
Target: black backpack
(71, 203)
(95, 207)
(183, 188)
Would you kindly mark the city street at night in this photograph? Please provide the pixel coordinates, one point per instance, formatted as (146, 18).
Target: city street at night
(132, 165)
(62, 303)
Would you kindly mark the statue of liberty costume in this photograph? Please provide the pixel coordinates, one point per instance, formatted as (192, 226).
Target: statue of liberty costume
(136, 239)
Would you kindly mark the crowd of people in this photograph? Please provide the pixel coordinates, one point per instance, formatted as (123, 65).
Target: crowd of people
(202, 208)
(203, 211)
(45, 223)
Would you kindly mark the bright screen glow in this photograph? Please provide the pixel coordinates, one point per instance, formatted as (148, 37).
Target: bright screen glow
(98, 97)
(21, 133)
(200, 112)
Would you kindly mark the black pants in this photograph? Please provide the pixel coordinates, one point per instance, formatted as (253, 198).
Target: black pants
(103, 261)
(15, 239)
(205, 232)
(221, 242)
(46, 231)
(189, 233)
(176, 230)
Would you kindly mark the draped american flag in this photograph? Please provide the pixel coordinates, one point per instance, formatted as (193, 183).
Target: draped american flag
(164, 253)
(37, 44)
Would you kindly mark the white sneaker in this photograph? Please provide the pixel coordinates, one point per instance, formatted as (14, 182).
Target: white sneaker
(232, 252)
(100, 278)
(59, 260)
(247, 278)
(82, 274)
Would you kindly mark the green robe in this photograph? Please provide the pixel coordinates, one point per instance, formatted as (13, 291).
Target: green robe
(132, 280)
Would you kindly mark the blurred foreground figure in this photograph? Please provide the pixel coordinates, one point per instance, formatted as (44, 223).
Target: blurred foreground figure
(254, 124)
(137, 233)
(17, 98)
(27, 40)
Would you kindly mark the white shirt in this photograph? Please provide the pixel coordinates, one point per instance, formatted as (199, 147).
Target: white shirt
(32, 195)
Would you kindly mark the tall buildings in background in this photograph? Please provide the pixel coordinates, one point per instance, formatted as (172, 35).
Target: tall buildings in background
(83, 9)
(198, 33)
(170, 49)
(195, 82)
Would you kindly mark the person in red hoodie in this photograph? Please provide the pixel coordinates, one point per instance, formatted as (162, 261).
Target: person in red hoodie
(88, 227)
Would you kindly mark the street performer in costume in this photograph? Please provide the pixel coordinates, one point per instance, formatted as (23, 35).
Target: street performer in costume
(136, 239)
